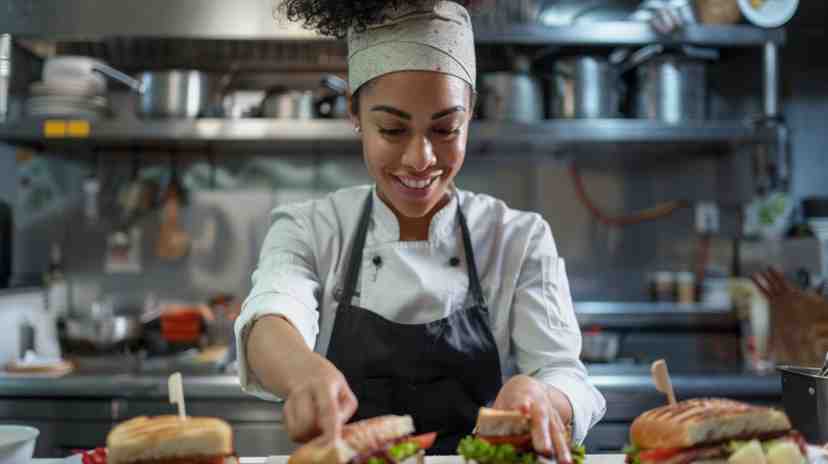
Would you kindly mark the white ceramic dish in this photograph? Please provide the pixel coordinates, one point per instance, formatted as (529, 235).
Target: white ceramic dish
(772, 13)
(17, 443)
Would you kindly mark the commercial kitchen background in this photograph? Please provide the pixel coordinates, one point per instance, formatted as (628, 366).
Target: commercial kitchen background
(604, 264)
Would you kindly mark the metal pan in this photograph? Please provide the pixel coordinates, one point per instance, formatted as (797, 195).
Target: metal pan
(103, 333)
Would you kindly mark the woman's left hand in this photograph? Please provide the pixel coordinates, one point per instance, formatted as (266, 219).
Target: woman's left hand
(548, 409)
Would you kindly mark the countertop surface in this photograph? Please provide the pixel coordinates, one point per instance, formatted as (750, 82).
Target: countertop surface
(591, 459)
(607, 378)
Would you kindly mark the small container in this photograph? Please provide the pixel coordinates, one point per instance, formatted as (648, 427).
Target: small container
(662, 286)
(685, 287)
(716, 292)
(805, 396)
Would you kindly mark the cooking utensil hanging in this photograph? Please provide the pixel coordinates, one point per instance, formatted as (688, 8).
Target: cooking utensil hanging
(651, 214)
(173, 241)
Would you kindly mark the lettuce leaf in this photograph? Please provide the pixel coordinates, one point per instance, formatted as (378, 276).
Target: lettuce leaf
(632, 452)
(482, 452)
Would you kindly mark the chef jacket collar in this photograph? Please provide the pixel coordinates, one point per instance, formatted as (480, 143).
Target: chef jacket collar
(388, 230)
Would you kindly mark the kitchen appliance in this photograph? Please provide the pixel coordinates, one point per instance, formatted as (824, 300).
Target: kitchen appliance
(514, 95)
(585, 86)
(28, 327)
(179, 93)
(284, 103)
(805, 397)
(5, 244)
(671, 86)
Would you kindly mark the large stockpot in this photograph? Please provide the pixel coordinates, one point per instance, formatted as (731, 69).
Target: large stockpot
(585, 86)
(174, 94)
(512, 95)
(671, 87)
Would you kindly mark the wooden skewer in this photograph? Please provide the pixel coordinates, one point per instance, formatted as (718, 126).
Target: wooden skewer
(661, 378)
(176, 391)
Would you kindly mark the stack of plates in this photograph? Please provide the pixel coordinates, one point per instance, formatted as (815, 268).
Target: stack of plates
(66, 98)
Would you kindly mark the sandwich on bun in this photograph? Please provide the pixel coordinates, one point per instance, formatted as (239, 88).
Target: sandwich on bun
(379, 440)
(171, 440)
(505, 437)
(714, 430)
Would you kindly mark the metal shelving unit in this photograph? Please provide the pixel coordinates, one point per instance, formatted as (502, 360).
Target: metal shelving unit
(632, 33)
(338, 136)
(244, 31)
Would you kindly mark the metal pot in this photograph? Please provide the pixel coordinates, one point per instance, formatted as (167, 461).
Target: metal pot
(174, 94)
(805, 397)
(512, 95)
(671, 87)
(585, 87)
(282, 103)
(105, 332)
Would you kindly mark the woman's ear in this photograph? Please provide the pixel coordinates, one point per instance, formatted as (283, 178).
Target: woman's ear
(353, 110)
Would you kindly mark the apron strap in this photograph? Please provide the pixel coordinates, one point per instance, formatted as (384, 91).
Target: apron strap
(474, 280)
(355, 260)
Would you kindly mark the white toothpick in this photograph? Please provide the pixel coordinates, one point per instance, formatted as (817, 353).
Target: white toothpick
(175, 386)
(661, 378)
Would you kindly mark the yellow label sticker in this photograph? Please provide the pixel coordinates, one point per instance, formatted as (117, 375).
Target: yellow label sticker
(54, 128)
(79, 128)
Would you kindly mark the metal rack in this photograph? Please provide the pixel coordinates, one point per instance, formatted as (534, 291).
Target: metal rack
(337, 137)
(246, 32)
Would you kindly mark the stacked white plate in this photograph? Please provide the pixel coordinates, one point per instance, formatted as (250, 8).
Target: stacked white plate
(79, 98)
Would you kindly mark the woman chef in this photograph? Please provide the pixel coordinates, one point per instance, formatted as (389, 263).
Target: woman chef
(411, 296)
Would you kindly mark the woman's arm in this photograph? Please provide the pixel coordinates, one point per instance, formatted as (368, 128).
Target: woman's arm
(277, 329)
(546, 338)
(318, 397)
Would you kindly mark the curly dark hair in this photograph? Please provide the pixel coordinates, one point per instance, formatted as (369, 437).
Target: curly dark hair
(335, 17)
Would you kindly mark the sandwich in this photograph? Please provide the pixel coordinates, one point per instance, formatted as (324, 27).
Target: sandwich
(505, 437)
(379, 440)
(713, 430)
(171, 440)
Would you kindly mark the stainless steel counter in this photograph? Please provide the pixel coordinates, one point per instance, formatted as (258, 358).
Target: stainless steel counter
(607, 378)
(78, 410)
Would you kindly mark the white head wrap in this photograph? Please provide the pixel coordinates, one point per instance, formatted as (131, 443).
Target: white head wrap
(417, 36)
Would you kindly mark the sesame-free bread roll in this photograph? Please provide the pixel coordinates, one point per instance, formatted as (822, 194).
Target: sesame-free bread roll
(705, 420)
(166, 438)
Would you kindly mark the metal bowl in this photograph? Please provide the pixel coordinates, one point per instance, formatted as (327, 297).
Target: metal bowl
(103, 333)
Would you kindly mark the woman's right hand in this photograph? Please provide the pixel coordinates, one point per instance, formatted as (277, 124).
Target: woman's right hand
(319, 402)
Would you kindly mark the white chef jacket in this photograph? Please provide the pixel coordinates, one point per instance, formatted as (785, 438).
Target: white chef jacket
(303, 262)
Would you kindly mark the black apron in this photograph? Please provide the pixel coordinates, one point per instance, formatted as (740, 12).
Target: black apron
(440, 372)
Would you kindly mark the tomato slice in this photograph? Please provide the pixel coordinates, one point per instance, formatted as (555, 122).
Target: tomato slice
(424, 441)
(659, 454)
(518, 441)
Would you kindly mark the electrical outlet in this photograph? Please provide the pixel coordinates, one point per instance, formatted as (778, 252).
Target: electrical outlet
(707, 218)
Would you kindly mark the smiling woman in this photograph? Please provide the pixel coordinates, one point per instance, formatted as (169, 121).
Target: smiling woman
(412, 296)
